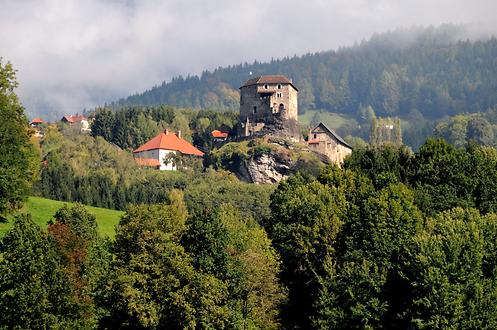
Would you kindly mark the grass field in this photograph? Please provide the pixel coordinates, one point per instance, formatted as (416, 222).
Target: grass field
(42, 210)
(332, 120)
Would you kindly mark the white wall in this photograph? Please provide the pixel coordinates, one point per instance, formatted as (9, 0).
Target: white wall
(158, 154)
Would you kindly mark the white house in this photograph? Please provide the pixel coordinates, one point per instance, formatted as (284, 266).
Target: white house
(154, 152)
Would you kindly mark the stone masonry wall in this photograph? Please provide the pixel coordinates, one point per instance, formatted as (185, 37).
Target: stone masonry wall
(267, 106)
(329, 146)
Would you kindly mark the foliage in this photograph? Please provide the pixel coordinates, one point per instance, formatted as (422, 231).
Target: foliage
(304, 223)
(463, 129)
(130, 127)
(19, 161)
(84, 259)
(34, 291)
(364, 286)
(238, 252)
(385, 131)
(155, 285)
(452, 272)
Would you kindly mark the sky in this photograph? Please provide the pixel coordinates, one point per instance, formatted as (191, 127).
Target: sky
(77, 54)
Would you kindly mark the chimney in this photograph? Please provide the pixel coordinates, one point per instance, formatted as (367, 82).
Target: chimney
(166, 131)
(179, 134)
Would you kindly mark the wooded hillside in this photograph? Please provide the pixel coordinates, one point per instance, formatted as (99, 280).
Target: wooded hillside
(397, 73)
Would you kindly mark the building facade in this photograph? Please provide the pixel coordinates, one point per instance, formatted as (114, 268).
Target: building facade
(325, 141)
(155, 153)
(269, 101)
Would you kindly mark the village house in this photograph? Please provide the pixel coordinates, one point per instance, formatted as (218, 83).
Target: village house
(154, 153)
(36, 122)
(325, 141)
(37, 125)
(77, 118)
(219, 136)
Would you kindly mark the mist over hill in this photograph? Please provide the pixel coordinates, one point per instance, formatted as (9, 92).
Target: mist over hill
(433, 71)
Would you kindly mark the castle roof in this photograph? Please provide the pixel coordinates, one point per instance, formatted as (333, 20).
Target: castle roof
(170, 141)
(332, 132)
(271, 79)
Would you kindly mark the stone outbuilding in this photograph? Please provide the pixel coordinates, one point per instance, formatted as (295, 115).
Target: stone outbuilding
(325, 141)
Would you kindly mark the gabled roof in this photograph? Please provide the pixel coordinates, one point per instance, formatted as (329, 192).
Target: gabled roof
(170, 141)
(74, 118)
(151, 162)
(271, 79)
(37, 121)
(218, 134)
(332, 132)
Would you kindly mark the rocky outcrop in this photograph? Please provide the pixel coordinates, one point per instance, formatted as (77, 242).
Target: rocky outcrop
(267, 168)
(264, 161)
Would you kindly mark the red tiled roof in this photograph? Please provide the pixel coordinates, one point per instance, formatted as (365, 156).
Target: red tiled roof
(170, 141)
(272, 79)
(218, 134)
(37, 121)
(152, 162)
(74, 118)
(313, 141)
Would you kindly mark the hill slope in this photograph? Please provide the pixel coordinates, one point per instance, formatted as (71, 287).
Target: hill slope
(42, 210)
(399, 72)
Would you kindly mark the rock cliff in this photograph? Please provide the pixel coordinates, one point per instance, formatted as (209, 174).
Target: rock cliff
(265, 161)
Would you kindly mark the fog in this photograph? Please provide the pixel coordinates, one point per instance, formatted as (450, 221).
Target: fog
(72, 55)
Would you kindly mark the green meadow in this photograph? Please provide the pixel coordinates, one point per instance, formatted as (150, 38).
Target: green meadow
(42, 210)
(330, 119)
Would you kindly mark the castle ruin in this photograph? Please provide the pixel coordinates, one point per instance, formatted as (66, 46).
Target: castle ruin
(268, 106)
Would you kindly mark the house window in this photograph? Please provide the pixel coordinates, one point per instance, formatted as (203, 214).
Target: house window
(315, 136)
(255, 109)
(279, 86)
(279, 95)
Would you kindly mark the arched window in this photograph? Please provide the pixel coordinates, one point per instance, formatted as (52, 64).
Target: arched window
(281, 107)
(255, 109)
(265, 86)
(279, 86)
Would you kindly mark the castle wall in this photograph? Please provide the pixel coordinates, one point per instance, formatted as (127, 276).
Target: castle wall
(267, 102)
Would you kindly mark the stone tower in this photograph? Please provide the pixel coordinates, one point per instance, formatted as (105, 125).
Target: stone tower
(268, 105)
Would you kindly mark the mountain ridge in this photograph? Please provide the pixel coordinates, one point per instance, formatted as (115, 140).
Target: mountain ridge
(428, 70)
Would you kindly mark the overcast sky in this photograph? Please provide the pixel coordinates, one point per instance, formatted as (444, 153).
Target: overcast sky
(73, 54)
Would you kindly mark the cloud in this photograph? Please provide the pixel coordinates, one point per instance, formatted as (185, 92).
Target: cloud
(77, 54)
